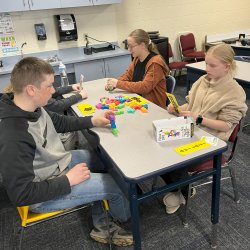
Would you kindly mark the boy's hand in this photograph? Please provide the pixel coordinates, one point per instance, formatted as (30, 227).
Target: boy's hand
(83, 93)
(101, 119)
(76, 87)
(78, 174)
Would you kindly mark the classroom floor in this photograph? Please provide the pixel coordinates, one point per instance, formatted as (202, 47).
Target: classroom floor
(158, 230)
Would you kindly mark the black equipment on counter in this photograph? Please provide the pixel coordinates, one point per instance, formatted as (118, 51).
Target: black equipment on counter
(245, 41)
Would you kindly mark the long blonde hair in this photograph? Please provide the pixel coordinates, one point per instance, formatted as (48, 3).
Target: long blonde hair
(141, 36)
(225, 54)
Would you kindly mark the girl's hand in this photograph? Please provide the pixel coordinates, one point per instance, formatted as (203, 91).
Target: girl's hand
(171, 109)
(190, 114)
(111, 84)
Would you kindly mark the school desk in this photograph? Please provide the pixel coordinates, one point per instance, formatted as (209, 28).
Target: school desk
(196, 70)
(134, 156)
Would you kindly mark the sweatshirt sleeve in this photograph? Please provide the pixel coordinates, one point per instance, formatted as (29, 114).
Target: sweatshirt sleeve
(61, 105)
(128, 75)
(65, 123)
(62, 90)
(153, 76)
(17, 156)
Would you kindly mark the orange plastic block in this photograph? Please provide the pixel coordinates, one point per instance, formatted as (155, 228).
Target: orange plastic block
(144, 110)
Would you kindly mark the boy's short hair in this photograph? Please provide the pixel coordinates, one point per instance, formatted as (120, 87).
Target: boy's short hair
(30, 70)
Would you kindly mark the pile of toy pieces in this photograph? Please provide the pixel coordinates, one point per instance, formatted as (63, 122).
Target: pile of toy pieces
(120, 102)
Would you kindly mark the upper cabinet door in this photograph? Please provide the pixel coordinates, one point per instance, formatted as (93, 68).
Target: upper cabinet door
(75, 3)
(23, 5)
(44, 4)
(100, 2)
(14, 5)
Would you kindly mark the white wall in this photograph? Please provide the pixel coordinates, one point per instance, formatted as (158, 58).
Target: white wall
(170, 17)
(115, 22)
(98, 22)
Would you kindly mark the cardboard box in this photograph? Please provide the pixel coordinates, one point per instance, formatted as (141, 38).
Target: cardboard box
(173, 129)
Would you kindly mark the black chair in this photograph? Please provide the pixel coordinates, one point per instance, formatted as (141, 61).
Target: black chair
(170, 80)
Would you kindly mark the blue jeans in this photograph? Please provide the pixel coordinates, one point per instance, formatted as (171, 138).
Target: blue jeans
(98, 187)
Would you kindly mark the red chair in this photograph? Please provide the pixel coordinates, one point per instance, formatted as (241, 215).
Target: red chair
(174, 65)
(188, 49)
(208, 165)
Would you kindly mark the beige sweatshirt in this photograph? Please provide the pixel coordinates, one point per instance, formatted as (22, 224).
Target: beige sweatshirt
(221, 100)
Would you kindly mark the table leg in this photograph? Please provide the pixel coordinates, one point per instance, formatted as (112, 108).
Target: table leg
(134, 207)
(215, 199)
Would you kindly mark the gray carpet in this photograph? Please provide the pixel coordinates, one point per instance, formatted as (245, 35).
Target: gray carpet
(158, 230)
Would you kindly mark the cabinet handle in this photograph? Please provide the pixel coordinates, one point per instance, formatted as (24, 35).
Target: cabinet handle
(24, 3)
(32, 3)
(108, 69)
(103, 71)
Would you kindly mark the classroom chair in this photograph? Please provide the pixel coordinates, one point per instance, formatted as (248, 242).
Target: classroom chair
(188, 49)
(170, 81)
(225, 161)
(29, 218)
(175, 66)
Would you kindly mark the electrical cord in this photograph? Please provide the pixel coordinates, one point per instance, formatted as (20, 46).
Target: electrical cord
(86, 36)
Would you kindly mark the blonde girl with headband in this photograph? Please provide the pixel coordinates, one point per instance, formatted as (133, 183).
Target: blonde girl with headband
(146, 74)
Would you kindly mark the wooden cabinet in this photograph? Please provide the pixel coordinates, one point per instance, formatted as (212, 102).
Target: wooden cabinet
(101, 68)
(24, 5)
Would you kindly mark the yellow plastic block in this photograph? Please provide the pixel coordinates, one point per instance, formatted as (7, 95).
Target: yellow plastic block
(86, 108)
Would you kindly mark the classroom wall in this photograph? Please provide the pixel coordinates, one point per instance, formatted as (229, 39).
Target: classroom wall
(170, 17)
(115, 22)
(97, 21)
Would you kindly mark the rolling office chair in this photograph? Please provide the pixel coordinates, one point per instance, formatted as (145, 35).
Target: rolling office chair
(175, 66)
(29, 218)
(225, 161)
(188, 49)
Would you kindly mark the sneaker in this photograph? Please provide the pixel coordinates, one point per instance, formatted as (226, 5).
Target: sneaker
(173, 201)
(193, 192)
(119, 236)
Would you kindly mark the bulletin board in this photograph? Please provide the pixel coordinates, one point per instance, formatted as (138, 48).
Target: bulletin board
(8, 43)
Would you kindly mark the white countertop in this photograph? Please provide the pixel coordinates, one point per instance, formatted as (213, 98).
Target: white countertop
(68, 56)
(243, 69)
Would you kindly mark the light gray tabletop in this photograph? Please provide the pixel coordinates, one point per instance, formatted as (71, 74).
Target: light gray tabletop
(135, 150)
(243, 69)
